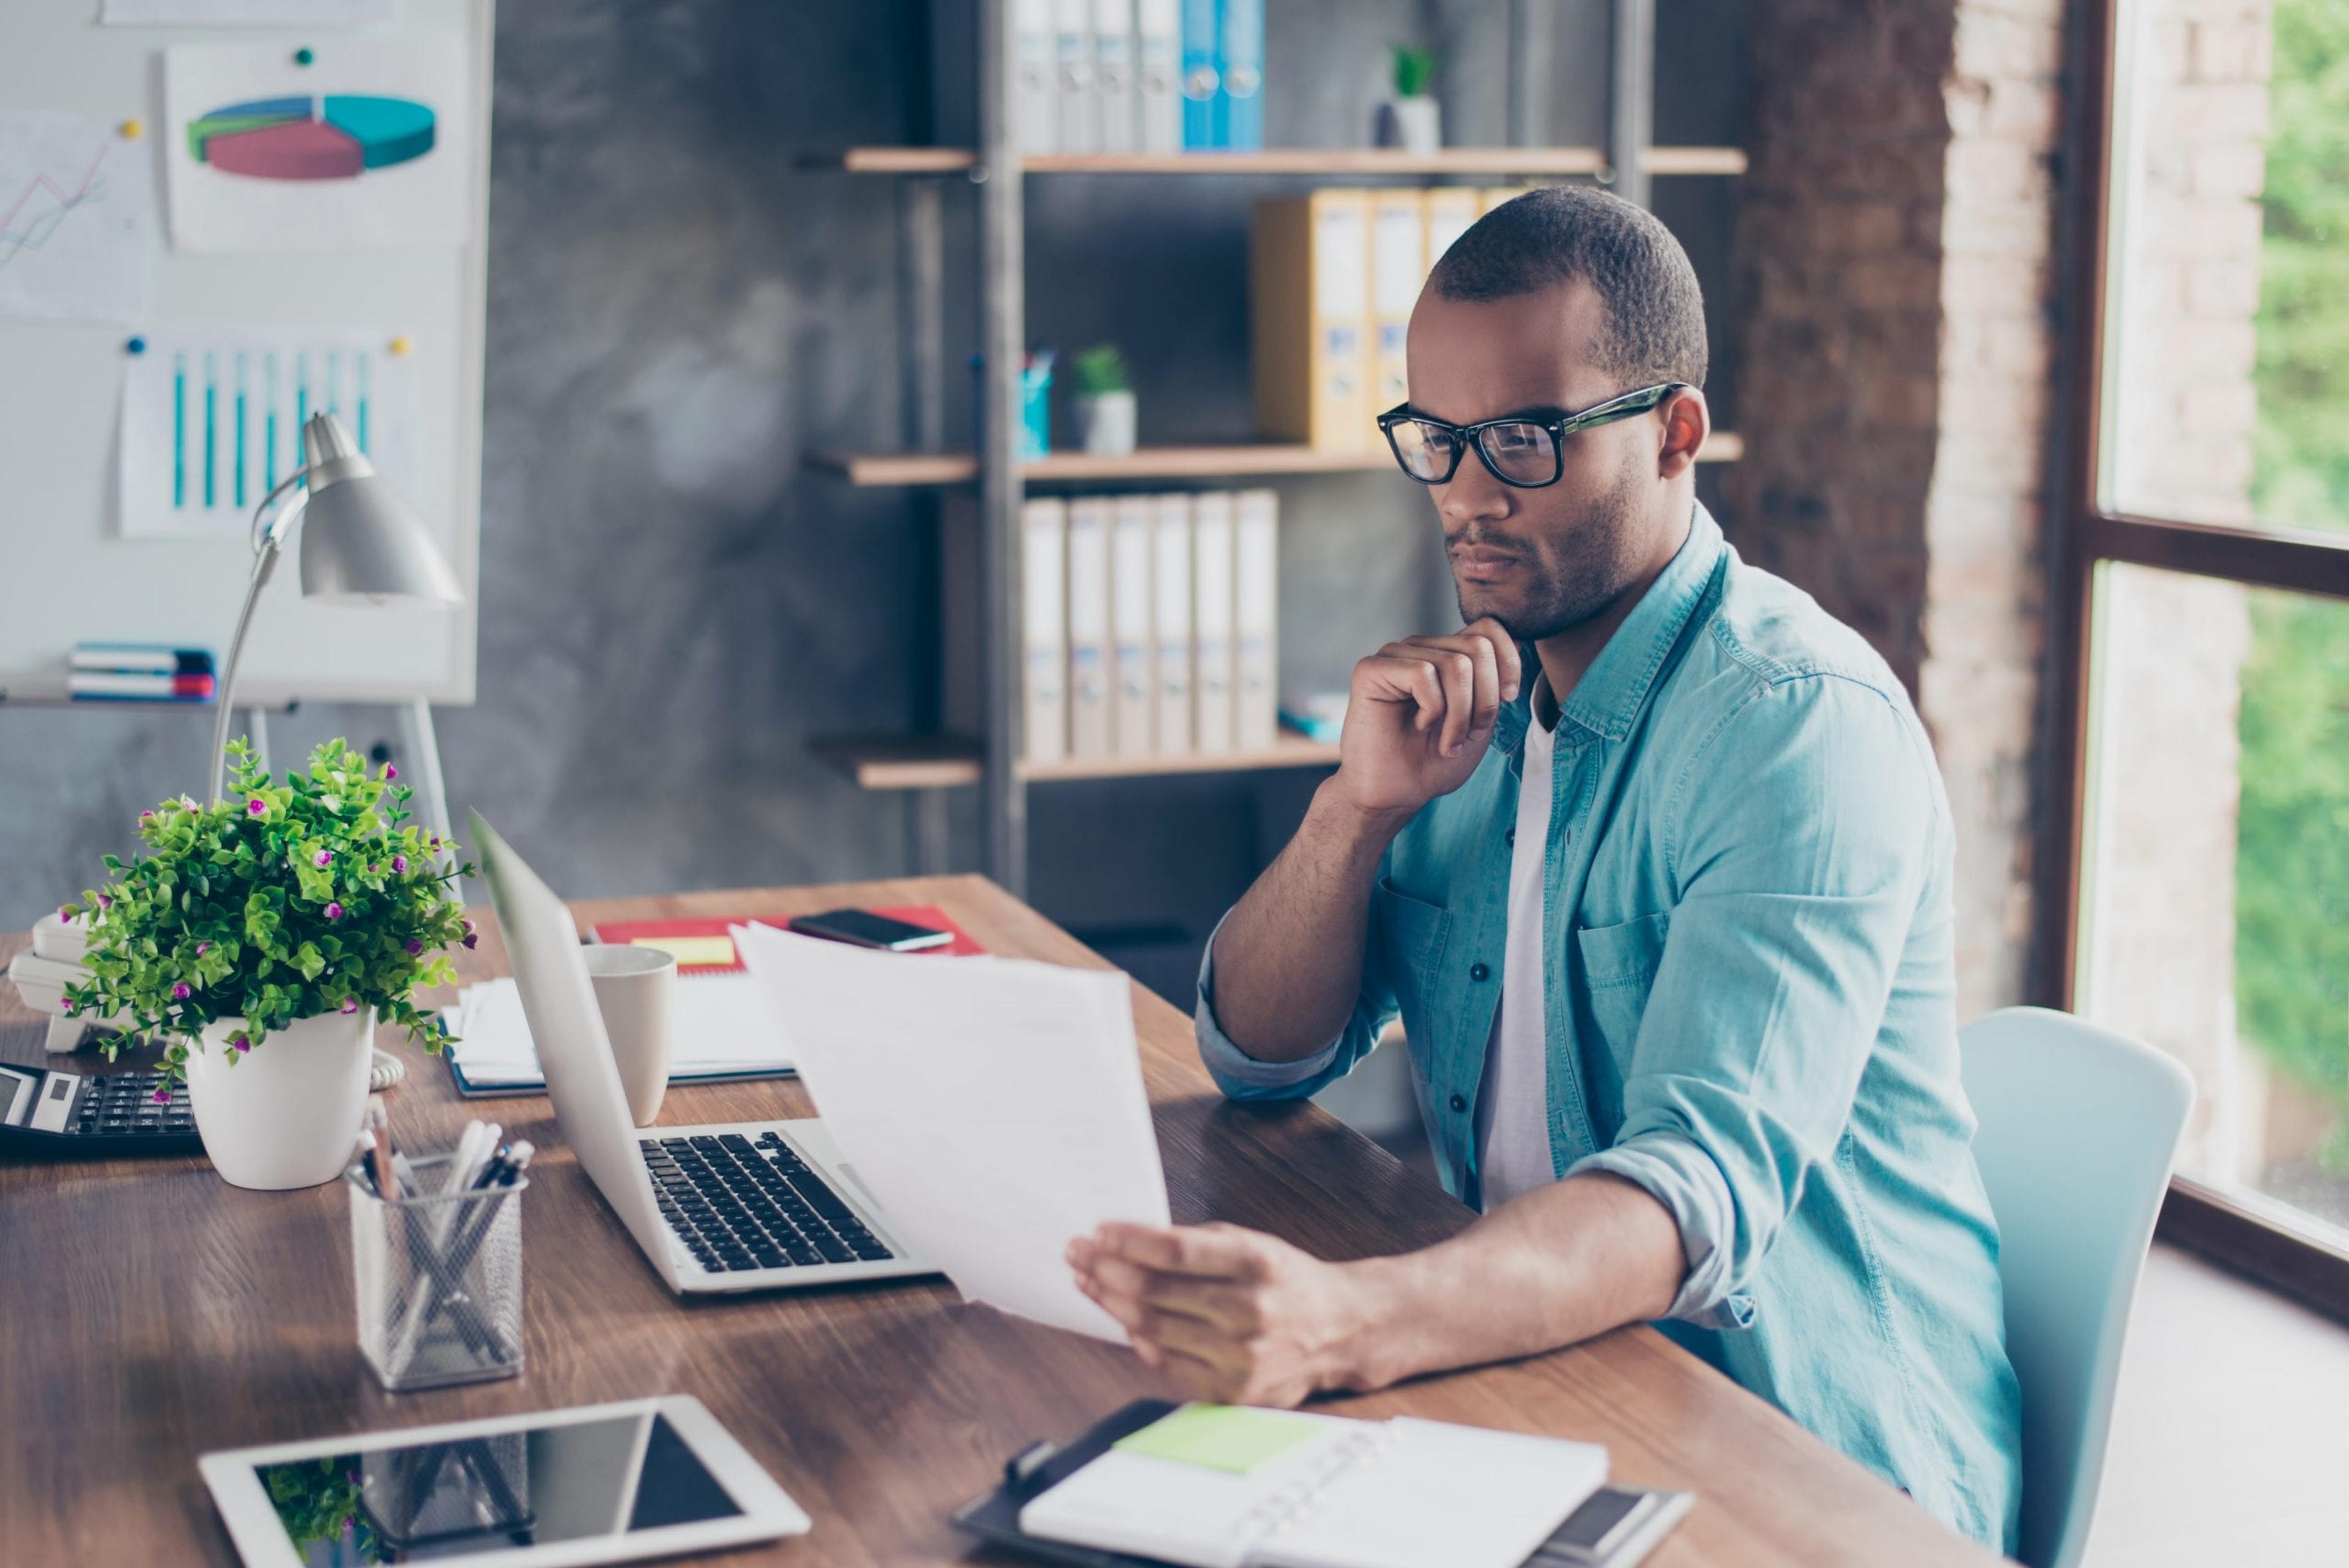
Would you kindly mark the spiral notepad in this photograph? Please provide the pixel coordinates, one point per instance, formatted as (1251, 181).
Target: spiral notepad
(1326, 1492)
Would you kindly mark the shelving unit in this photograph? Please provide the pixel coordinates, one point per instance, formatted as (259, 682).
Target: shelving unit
(917, 469)
(927, 766)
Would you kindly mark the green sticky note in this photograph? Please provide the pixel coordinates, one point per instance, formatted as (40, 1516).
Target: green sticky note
(1232, 1438)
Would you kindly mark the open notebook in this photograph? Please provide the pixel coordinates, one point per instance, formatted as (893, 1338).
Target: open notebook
(1213, 1486)
(721, 1033)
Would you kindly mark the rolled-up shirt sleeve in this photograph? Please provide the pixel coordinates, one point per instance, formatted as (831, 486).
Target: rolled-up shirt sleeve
(1800, 839)
(1242, 1077)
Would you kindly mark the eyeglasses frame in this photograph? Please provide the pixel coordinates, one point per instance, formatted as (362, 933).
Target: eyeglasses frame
(1470, 437)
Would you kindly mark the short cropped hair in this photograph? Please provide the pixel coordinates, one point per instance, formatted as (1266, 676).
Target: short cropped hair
(1563, 233)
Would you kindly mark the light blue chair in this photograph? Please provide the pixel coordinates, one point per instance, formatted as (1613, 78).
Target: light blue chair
(2078, 1127)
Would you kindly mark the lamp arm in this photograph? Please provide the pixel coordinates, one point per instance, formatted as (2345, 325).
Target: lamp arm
(268, 541)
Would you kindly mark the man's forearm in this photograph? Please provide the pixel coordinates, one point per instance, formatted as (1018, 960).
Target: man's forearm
(1288, 960)
(1554, 1267)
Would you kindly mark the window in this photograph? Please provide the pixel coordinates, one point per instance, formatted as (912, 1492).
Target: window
(2207, 572)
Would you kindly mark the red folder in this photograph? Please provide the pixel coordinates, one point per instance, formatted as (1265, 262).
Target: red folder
(623, 930)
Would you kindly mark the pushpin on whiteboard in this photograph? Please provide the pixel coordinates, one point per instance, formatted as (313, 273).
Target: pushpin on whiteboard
(401, 347)
(304, 56)
(132, 129)
(135, 346)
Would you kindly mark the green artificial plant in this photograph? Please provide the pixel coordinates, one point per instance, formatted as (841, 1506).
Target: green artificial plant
(1100, 369)
(1414, 70)
(283, 902)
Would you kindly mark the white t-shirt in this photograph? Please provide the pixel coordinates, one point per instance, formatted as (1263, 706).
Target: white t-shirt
(1512, 1106)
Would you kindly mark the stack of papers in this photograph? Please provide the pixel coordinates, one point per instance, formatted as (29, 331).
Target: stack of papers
(721, 1031)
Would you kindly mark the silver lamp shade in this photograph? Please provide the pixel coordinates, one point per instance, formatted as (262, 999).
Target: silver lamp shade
(360, 543)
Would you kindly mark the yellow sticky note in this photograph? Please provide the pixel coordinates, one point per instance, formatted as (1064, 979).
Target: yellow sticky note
(692, 950)
(1231, 1437)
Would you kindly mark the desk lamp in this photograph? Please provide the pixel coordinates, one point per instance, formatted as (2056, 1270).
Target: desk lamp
(361, 544)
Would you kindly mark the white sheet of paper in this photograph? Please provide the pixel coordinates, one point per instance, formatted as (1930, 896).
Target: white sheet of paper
(994, 1106)
(402, 196)
(212, 420)
(720, 1027)
(241, 13)
(75, 206)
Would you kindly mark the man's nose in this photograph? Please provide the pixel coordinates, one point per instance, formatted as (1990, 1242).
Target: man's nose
(1473, 495)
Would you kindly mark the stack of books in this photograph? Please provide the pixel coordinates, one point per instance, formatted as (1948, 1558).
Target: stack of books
(140, 671)
(1334, 276)
(1140, 76)
(1149, 624)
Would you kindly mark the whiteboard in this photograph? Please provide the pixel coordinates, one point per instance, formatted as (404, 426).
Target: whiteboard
(67, 573)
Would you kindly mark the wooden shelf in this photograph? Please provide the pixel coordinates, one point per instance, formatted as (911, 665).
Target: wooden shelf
(1694, 160)
(1146, 463)
(948, 763)
(1457, 160)
(902, 761)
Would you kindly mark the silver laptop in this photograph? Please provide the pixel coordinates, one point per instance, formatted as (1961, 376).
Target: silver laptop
(724, 1206)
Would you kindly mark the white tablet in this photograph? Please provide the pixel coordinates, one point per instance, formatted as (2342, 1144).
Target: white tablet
(603, 1483)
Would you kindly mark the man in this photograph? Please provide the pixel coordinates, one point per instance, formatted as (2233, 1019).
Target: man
(1653, 860)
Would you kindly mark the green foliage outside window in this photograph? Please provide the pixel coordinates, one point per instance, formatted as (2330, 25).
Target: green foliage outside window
(2291, 941)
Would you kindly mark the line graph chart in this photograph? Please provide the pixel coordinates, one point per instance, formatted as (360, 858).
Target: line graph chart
(75, 199)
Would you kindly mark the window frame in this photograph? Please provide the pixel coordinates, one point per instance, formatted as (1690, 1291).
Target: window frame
(2259, 1238)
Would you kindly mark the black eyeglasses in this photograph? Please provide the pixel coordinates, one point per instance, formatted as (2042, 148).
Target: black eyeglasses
(1516, 450)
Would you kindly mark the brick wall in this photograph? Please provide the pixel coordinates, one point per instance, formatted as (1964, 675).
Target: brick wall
(1895, 232)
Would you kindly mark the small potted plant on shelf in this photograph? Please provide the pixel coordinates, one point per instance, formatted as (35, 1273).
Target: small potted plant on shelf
(1411, 119)
(260, 941)
(1105, 406)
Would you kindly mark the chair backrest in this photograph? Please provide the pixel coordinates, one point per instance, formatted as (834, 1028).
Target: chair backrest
(2078, 1127)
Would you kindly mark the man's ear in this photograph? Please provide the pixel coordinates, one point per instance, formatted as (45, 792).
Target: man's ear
(1687, 422)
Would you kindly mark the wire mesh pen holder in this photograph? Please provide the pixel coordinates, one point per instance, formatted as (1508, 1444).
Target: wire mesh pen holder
(440, 1280)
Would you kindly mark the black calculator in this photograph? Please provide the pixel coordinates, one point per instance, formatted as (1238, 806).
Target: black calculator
(106, 1114)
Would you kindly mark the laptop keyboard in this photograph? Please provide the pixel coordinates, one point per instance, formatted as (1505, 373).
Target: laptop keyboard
(739, 1205)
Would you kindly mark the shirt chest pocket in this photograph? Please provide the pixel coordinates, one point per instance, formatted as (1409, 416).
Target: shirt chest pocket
(1619, 967)
(1411, 936)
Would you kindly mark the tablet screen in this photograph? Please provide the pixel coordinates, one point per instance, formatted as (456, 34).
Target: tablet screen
(478, 1496)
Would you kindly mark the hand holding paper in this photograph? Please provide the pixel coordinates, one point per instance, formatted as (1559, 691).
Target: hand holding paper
(994, 1106)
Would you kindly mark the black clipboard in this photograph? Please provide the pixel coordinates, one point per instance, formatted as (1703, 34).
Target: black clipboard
(1647, 1517)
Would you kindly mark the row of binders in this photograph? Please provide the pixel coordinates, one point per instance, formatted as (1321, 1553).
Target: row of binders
(1149, 624)
(138, 672)
(1140, 76)
(1333, 275)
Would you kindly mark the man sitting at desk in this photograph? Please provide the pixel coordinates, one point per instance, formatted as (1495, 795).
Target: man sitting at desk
(1664, 908)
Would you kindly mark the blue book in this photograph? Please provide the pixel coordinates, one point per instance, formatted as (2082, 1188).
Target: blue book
(1239, 104)
(1202, 80)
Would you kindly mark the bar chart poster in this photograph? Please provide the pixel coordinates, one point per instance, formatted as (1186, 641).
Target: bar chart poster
(211, 421)
(343, 143)
(74, 212)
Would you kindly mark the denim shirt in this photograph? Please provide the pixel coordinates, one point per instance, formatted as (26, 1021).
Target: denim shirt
(1749, 996)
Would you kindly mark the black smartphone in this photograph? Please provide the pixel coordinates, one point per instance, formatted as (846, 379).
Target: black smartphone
(863, 928)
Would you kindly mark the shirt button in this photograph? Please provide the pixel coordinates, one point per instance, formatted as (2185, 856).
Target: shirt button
(1478, 972)
(1459, 1104)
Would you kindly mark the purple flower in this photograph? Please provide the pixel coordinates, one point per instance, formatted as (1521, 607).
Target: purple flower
(144, 815)
(240, 1042)
(400, 864)
(203, 948)
(323, 859)
(471, 939)
(468, 924)
(389, 771)
(334, 911)
(65, 912)
(256, 807)
(414, 947)
(163, 1096)
(104, 902)
(181, 991)
(351, 1004)
(73, 1008)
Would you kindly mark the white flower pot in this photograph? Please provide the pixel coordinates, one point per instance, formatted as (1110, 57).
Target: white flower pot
(1413, 124)
(286, 1113)
(1105, 424)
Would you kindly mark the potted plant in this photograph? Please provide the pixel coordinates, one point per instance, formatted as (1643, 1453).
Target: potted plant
(260, 939)
(1411, 119)
(1105, 406)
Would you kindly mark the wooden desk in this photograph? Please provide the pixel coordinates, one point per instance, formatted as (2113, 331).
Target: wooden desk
(149, 1312)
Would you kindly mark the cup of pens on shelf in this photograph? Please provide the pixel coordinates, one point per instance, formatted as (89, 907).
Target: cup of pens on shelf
(436, 1244)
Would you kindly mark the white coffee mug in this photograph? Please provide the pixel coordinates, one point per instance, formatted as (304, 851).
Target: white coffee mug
(636, 987)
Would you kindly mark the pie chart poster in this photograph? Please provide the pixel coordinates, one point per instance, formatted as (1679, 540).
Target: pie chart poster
(369, 145)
